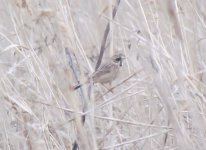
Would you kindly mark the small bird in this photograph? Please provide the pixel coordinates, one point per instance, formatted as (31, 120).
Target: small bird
(107, 72)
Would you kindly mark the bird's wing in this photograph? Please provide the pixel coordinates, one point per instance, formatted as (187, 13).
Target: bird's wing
(104, 69)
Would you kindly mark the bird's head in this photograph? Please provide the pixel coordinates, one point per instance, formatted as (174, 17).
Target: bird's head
(118, 58)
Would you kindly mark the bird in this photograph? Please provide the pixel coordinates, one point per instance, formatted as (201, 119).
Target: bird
(107, 72)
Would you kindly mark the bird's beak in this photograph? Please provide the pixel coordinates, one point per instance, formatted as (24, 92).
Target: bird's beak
(122, 58)
(121, 63)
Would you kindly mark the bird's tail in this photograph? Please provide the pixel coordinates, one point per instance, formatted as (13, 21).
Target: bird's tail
(77, 86)
(80, 85)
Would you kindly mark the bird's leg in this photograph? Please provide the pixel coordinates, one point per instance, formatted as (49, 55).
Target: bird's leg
(108, 87)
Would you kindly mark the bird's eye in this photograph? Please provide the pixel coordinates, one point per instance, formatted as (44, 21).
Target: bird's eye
(118, 59)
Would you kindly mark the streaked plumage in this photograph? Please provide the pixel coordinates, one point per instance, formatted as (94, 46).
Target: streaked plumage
(107, 72)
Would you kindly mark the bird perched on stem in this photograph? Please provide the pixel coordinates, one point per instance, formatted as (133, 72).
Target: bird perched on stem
(107, 72)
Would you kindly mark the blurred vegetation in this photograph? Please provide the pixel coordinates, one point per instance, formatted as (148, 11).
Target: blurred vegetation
(157, 102)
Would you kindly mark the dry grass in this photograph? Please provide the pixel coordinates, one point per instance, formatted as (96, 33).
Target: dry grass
(158, 101)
